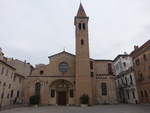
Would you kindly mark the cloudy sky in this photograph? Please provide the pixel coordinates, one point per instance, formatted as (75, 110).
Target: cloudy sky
(32, 30)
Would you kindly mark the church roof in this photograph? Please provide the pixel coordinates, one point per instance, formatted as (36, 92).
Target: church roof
(141, 49)
(81, 12)
(61, 53)
(120, 55)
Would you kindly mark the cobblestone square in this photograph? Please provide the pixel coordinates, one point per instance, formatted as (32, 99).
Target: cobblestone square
(121, 108)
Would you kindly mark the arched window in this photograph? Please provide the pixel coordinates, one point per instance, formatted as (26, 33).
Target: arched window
(127, 92)
(92, 74)
(110, 68)
(41, 72)
(126, 80)
(79, 26)
(71, 93)
(91, 64)
(2, 95)
(11, 95)
(104, 89)
(18, 93)
(8, 95)
(83, 25)
(52, 93)
(63, 67)
(146, 95)
(131, 81)
(144, 57)
(142, 94)
(133, 94)
(82, 41)
(37, 88)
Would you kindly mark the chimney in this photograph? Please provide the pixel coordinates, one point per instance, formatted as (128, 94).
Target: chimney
(25, 61)
(125, 53)
(136, 47)
(1, 54)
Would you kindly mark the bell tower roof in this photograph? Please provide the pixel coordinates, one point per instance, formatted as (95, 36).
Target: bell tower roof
(81, 12)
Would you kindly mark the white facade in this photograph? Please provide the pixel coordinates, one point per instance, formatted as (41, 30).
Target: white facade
(122, 63)
(125, 80)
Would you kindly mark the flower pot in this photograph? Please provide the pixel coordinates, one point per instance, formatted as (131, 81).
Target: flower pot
(84, 105)
(36, 106)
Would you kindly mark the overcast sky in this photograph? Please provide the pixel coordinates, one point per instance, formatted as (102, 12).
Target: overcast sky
(32, 30)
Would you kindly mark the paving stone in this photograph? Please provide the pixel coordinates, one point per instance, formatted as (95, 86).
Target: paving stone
(121, 108)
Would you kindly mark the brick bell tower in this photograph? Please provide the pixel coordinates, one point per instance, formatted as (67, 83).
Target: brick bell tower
(83, 82)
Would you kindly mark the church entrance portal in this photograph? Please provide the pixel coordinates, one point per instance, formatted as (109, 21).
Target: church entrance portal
(63, 90)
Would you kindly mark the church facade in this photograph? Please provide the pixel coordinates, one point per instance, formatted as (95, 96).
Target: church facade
(67, 77)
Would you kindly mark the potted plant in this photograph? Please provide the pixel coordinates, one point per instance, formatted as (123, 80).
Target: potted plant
(35, 100)
(84, 100)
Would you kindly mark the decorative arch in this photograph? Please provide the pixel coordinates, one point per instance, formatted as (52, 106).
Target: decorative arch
(80, 26)
(104, 88)
(61, 90)
(33, 82)
(37, 88)
(61, 83)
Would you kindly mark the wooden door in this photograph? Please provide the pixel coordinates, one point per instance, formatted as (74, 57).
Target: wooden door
(62, 98)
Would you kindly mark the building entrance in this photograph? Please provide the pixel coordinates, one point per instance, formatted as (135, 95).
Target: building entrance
(62, 98)
(63, 90)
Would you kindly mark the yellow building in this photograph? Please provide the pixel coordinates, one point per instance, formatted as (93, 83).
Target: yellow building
(67, 77)
(11, 82)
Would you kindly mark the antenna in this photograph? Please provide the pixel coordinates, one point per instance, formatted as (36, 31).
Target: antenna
(0, 49)
(64, 48)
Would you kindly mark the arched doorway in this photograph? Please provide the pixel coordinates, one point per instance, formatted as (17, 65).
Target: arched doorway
(37, 88)
(60, 90)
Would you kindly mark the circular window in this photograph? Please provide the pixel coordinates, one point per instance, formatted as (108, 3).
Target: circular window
(63, 67)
